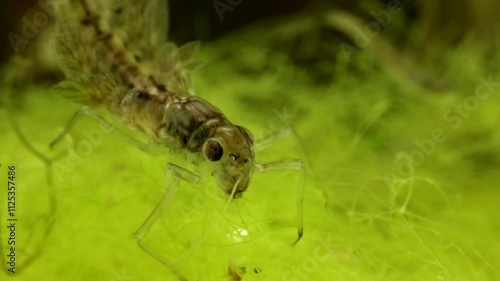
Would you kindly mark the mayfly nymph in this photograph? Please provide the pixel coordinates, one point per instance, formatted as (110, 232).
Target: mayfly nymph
(115, 54)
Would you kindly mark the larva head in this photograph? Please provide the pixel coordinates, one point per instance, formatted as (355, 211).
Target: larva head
(230, 150)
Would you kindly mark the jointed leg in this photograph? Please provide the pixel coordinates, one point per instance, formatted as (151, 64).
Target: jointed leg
(173, 174)
(87, 111)
(285, 132)
(273, 138)
(286, 165)
(290, 165)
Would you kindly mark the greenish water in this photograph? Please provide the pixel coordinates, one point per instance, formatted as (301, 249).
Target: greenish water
(402, 180)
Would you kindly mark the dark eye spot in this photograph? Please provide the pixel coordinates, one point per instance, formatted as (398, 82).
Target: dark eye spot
(143, 95)
(232, 156)
(118, 11)
(213, 150)
(246, 160)
(161, 88)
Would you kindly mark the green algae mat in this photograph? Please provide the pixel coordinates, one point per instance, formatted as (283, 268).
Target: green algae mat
(401, 171)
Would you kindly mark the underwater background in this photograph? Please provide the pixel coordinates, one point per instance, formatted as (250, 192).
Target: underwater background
(396, 106)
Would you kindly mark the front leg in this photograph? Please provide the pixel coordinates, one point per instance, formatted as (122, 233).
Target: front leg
(290, 165)
(150, 148)
(173, 174)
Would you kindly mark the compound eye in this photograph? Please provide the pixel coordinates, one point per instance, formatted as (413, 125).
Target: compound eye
(213, 150)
